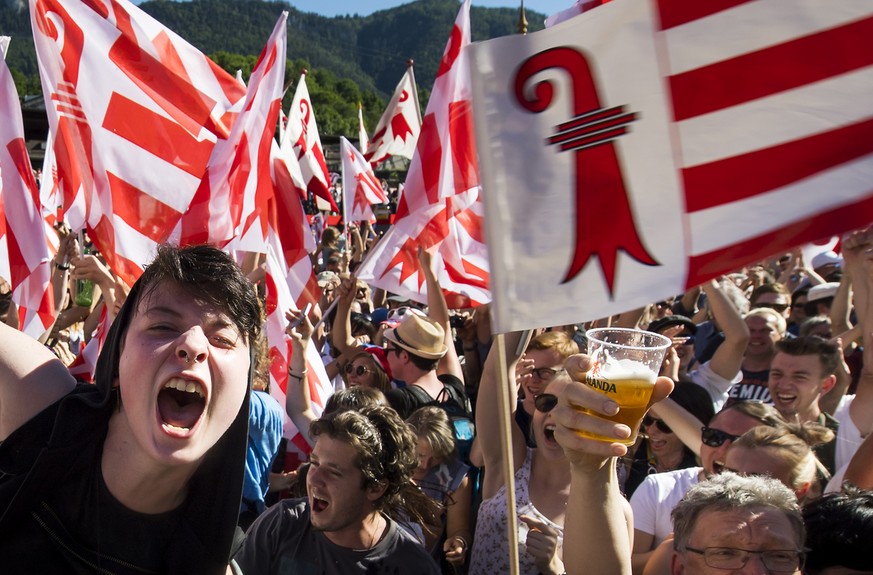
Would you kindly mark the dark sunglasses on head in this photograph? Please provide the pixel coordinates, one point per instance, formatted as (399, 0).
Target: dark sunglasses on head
(780, 307)
(359, 370)
(715, 437)
(648, 420)
(545, 402)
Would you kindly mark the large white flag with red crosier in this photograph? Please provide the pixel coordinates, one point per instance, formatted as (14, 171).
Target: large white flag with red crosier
(301, 138)
(291, 284)
(440, 205)
(233, 192)
(361, 187)
(643, 147)
(25, 259)
(135, 112)
(399, 127)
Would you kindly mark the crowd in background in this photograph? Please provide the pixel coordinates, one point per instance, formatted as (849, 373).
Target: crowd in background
(771, 370)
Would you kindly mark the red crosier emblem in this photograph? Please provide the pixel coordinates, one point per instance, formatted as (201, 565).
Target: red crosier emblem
(604, 221)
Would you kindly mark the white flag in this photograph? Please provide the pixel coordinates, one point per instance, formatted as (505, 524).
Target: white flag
(644, 147)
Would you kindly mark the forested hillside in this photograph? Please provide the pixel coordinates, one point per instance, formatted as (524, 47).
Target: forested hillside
(350, 58)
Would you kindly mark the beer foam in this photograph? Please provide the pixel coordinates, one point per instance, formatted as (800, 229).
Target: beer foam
(625, 369)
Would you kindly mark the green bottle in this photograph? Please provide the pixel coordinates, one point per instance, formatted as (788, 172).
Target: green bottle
(85, 288)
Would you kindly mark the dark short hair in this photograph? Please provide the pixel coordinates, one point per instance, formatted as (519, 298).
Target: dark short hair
(211, 276)
(827, 351)
(422, 363)
(776, 288)
(839, 529)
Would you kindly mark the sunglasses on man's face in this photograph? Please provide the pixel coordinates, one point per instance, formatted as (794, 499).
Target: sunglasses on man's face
(545, 373)
(648, 421)
(715, 437)
(545, 402)
(357, 370)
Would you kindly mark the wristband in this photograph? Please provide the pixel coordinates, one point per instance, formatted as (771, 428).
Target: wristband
(64, 267)
(300, 376)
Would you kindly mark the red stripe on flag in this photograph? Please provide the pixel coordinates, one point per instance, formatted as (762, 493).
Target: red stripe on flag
(748, 175)
(772, 70)
(151, 132)
(677, 12)
(834, 222)
(142, 212)
(464, 163)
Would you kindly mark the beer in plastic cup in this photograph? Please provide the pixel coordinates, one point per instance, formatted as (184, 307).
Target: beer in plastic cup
(625, 365)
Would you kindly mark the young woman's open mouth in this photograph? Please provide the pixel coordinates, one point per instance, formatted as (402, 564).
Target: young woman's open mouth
(180, 405)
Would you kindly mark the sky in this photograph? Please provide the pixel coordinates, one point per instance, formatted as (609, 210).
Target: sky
(365, 7)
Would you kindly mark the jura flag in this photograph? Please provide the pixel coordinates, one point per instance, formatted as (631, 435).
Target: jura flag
(399, 127)
(440, 205)
(643, 147)
(361, 188)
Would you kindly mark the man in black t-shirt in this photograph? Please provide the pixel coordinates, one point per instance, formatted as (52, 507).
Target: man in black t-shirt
(359, 485)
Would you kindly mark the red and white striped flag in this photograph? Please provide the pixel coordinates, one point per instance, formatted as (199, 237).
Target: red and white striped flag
(441, 204)
(233, 192)
(301, 138)
(291, 284)
(25, 260)
(644, 147)
(399, 127)
(135, 112)
(361, 187)
(84, 366)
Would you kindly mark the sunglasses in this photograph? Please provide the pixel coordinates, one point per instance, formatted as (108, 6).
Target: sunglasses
(397, 314)
(359, 370)
(648, 420)
(780, 307)
(715, 437)
(545, 402)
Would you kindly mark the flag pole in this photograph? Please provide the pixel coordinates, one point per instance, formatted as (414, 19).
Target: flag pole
(414, 85)
(508, 460)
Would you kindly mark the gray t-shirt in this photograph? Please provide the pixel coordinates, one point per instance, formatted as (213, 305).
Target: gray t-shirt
(283, 542)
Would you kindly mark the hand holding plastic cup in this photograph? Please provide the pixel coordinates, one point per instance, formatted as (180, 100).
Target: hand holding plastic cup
(626, 363)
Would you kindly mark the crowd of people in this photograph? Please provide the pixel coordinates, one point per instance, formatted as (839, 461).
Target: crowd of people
(753, 457)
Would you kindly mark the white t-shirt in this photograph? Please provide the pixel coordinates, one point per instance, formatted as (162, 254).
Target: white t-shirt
(848, 435)
(655, 498)
(716, 385)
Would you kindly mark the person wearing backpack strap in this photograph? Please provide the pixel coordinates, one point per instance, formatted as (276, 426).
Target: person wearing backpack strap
(421, 353)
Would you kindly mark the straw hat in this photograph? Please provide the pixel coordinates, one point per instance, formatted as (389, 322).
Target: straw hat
(419, 336)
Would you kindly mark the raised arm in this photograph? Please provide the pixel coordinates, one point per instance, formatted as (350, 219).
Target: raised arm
(298, 403)
(727, 358)
(488, 431)
(598, 521)
(31, 379)
(341, 330)
(858, 254)
(438, 310)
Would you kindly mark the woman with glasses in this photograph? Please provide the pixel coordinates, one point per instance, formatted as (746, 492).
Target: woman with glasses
(542, 477)
(368, 368)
